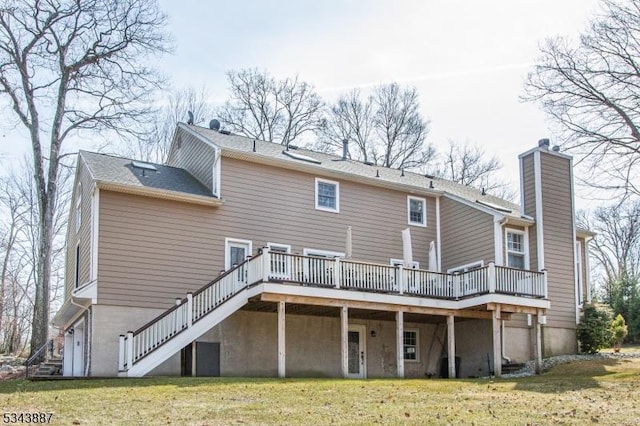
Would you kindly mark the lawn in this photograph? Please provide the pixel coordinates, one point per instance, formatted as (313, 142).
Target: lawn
(604, 391)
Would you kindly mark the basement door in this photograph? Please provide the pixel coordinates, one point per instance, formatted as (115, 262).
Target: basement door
(357, 356)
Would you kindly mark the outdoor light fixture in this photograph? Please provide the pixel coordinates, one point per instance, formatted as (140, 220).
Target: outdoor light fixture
(373, 333)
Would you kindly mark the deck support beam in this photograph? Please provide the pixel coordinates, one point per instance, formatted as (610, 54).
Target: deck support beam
(281, 340)
(451, 346)
(497, 342)
(400, 343)
(537, 331)
(344, 333)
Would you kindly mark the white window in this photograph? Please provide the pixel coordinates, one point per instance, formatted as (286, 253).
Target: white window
(416, 211)
(280, 265)
(516, 249)
(323, 253)
(411, 345)
(318, 268)
(78, 207)
(327, 195)
(398, 262)
(466, 268)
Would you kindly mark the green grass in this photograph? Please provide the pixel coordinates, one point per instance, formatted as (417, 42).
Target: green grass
(601, 391)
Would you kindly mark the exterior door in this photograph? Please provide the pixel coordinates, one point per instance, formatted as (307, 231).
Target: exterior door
(78, 349)
(237, 252)
(357, 356)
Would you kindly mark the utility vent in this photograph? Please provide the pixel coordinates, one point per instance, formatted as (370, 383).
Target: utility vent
(144, 166)
(301, 157)
(494, 206)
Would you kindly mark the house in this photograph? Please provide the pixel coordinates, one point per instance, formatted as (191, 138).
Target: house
(240, 257)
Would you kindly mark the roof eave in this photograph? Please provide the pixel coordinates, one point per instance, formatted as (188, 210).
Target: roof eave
(160, 193)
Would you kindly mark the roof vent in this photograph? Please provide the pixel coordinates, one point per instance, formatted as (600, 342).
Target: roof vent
(556, 148)
(214, 125)
(224, 132)
(543, 143)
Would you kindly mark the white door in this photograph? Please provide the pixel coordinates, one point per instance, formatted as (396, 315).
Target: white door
(78, 349)
(357, 356)
(236, 253)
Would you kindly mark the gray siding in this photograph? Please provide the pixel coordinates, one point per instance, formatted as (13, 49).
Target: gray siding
(152, 251)
(467, 234)
(83, 235)
(193, 155)
(557, 205)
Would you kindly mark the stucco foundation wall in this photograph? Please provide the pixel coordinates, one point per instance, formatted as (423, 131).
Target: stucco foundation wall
(108, 323)
(518, 344)
(559, 341)
(248, 346)
(473, 342)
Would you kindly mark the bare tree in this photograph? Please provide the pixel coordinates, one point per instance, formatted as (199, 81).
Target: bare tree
(591, 90)
(68, 66)
(386, 128)
(264, 108)
(469, 164)
(154, 145)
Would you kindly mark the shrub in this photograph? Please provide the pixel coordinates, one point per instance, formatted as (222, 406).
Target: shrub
(594, 330)
(618, 331)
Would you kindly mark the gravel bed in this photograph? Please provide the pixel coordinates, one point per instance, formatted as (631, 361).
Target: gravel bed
(530, 369)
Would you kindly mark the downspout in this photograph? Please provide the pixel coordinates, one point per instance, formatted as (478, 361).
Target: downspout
(504, 350)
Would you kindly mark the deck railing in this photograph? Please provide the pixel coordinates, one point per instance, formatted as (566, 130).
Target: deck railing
(135, 345)
(365, 276)
(328, 273)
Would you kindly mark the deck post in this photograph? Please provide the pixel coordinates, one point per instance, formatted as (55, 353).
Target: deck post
(129, 359)
(336, 273)
(546, 288)
(451, 346)
(194, 358)
(266, 264)
(344, 344)
(189, 309)
(281, 340)
(121, 353)
(456, 285)
(400, 343)
(497, 346)
(537, 330)
(402, 280)
(491, 272)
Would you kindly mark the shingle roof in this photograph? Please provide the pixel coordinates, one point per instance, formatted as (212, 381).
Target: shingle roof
(237, 143)
(121, 171)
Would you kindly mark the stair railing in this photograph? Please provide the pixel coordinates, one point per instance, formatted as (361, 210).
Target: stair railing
(136, 345)
(39, 356)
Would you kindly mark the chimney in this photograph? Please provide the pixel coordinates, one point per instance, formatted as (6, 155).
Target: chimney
(543, 143)
(345, 149)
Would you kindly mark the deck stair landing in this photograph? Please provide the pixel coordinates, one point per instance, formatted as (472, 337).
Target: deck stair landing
(146, 348)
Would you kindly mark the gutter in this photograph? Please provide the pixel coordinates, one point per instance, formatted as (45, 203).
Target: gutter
(160, 193)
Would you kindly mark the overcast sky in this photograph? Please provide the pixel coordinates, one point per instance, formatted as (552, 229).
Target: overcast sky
(468, 59)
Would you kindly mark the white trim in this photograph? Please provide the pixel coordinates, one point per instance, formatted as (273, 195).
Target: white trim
(497, 242)
(521, 164)
(525, 246)
(579, 276)
(238, 241)
(397, 262)
(322, 253)
(330, 182)
(95, 228)
(216, 173)
(476, 206)
(438, 238)
(422, 223)
(278, 245)
(587, 269)
(417, 331)
(362, 330)
(462, 268)
(573, 233)
(78, 208)
(537, 171)
(527, 258)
